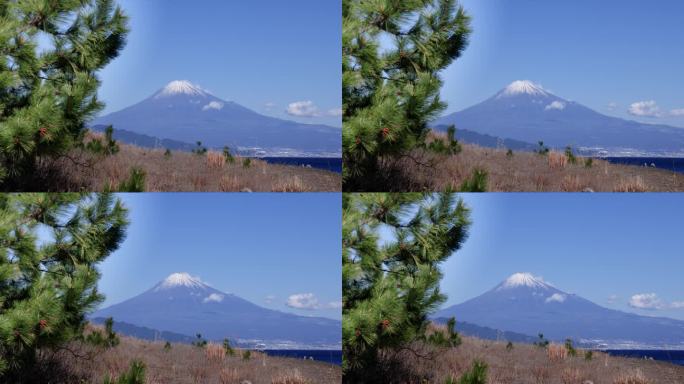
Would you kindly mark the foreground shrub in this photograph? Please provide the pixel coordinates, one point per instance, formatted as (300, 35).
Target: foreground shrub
(135, 375)
(476, 375)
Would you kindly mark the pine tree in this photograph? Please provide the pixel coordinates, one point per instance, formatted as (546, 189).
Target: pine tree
(393, 245)
(390, 90)
(50, 246)
(50, 52)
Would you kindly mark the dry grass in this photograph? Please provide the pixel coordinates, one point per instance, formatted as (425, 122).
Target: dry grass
(181, 172)
(528, 364)
(524, 172)
(193, 365)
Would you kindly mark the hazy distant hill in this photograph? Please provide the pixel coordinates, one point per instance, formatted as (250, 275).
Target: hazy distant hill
(146, 141)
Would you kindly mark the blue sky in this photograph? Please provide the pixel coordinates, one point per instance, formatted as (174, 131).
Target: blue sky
(264, 55)
(606, 54)
(604, 247)
(261, 247)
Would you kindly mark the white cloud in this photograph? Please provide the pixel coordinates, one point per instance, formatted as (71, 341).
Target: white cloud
(214, 297)
(612, 106)
(557, 297)
(269, 299)
(310, 301)
(269, 106)
(677, 112)
(307, 108)
(558, 105)
(303, 109)
(213, 105)
(303, 301)
(612, 299)
(652, 301)
(646, 301)
(647, 108)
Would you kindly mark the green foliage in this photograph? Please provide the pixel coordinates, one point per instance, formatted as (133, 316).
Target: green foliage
(246, 355)
(167, 153)
(509, 346)
(200, 150)
(542, 342)
(588, 162)
(247, 162)
(570, 348)
(227, 348)
(50, 247)
(228, 156)
(167, 346)
(448, 338)
(588, 355)
(135, 375)
(476, 183)
(389, 289)
(570, 155)
(49, 92)
(477, 375)
(509, 153)
(542, 150)
(105, 147)
(134, 183)
(448, 146)
(390, 90)
(108, 339)
(200, 342)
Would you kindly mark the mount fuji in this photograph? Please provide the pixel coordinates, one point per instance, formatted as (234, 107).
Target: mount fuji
(185, 305)
(525, 111)
(528, 305)
(184, 112)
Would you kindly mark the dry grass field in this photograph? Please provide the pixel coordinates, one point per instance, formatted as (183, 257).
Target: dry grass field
(528, 172)
(529, 364)
(184, 364)
(178, 172)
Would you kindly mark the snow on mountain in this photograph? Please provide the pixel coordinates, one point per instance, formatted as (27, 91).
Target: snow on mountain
(528, 305)
(522, 87)
(181, 87)
(525, 111)
(523, 280)
(184, 304)
(181, 280)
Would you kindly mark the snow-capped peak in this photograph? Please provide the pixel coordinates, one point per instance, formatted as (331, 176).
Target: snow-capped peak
(523, 280)
(181, 87)
(522, 87)
(180, 280)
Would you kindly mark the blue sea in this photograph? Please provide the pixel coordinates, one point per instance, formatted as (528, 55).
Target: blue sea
(333, 164)
(674, 357)
(332, 357)
(675, 164)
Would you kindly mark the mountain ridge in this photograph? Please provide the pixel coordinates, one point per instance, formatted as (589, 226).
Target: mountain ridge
(538, 307)
(184, 112)
(185, 305)
(526, 112)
